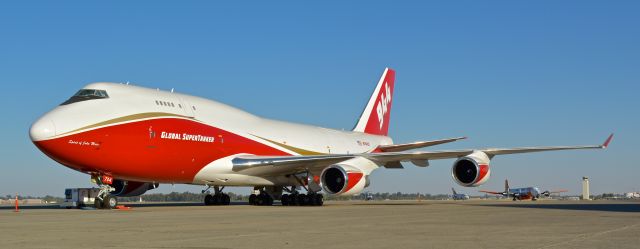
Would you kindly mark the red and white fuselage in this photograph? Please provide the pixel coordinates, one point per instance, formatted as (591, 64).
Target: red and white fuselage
(148, 135)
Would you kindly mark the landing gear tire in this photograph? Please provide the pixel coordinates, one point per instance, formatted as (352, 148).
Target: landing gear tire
(318, 200)
(313, 199)
(293, 200)
(266, 199)
(103, 199)
(109, 202)
(263, 199)
(303, 200)
(208, 200)
(284, 199)
(98, 203)
(225, 200)
(218, 199)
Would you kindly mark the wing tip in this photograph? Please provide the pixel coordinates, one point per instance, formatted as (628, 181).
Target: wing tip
(607, 142)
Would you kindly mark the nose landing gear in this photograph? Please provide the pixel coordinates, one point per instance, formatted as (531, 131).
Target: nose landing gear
(104, 199)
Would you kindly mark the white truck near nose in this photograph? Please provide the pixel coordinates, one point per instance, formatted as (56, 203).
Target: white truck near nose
(79, 197)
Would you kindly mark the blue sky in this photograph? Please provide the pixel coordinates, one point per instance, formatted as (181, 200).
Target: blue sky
(503, 73)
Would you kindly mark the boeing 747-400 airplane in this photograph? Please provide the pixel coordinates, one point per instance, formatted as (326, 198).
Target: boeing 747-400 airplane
(132, 138)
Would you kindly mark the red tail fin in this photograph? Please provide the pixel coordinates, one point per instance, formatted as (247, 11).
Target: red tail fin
(375, 117)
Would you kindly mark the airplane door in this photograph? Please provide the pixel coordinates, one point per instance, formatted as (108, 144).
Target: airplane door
(187, 108)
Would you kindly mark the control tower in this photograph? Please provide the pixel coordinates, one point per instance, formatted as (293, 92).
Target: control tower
(585, 188)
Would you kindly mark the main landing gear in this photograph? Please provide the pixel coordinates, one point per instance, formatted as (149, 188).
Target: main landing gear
(265, 197)
(312, 198)
(297, 199)
(261, 199)
(218, 198)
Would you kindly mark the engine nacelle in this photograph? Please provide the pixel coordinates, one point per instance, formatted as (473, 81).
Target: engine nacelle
(343, 180)
(129, 188)
(472, 170)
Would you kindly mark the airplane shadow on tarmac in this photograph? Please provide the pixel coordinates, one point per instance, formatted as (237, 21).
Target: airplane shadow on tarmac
(32, 207)
(157, 204)
(608, 207)
(388, 204)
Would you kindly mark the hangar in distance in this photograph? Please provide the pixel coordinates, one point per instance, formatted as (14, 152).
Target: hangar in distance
(129, 139)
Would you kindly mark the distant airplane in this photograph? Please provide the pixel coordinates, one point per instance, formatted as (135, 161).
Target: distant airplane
(457, 196)
(131, 138)
(528, 193)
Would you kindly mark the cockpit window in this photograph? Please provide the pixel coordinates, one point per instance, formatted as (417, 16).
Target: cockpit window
(86, 94)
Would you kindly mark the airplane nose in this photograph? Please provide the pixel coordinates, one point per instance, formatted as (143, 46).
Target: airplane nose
(42, 129)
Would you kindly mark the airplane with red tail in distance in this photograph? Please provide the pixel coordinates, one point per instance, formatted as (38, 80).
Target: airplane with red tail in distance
(528, 193)
(129, 139)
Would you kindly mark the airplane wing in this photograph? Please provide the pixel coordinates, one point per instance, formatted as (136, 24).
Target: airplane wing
(268, 165)
(548, 193)
(417, 145)
(434, 155)
(558, 191)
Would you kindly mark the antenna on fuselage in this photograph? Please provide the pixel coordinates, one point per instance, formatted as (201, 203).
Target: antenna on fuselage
(171, 90)
(127, 83)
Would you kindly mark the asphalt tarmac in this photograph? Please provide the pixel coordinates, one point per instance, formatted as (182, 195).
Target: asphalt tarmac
(374, 224)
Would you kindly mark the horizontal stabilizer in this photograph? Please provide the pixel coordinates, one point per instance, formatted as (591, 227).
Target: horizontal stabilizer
(491, 192)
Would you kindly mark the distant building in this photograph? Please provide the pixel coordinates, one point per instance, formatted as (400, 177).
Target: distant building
(22, 201)
(585, 188)
(31, 201)
(632, 195)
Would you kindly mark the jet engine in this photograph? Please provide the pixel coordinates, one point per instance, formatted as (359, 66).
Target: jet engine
(129, 188)
(343, 180)
(472, 170)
